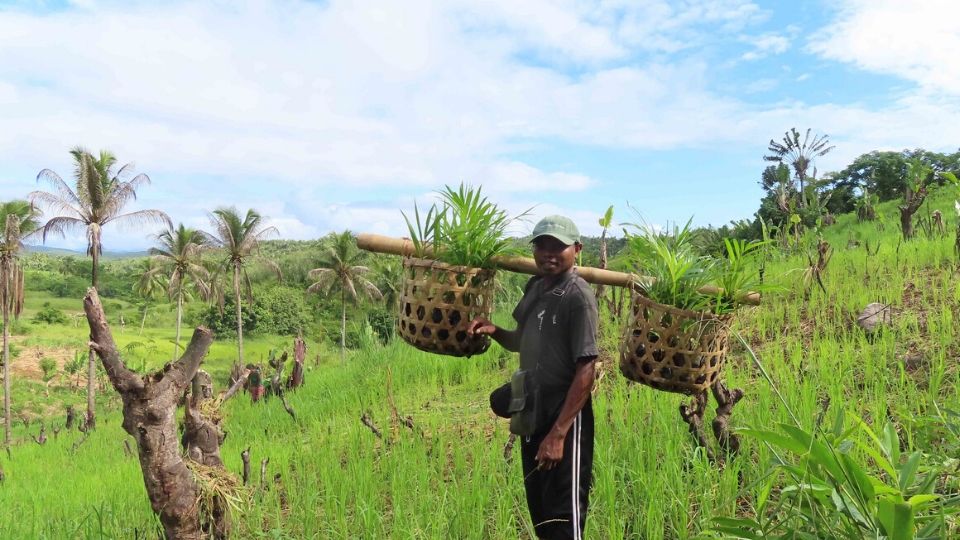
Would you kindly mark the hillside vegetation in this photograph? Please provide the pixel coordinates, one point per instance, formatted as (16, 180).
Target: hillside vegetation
(437, 466)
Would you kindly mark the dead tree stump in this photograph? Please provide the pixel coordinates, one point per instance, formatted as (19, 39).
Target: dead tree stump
(245, 457)
(299, 355)
(149, 415)
(693, 414)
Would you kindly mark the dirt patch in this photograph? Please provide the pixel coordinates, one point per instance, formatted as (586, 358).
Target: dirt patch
(27, 365)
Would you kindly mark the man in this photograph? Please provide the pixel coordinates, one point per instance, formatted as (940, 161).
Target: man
(556, 338)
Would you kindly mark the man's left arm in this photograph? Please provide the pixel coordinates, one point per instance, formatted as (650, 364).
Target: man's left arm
(551, 449)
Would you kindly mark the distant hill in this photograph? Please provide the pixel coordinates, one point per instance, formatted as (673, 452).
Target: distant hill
(60, 252)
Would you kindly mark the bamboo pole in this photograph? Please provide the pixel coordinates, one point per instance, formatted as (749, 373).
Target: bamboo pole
(523, 265)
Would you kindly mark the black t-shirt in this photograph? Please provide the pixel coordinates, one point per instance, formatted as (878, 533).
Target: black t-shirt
(557, 327)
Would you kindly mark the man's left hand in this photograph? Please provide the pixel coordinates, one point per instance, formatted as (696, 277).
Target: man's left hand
(551, 450)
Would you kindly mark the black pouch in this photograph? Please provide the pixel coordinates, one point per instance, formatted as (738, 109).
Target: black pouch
(524, 403)
(500, 401)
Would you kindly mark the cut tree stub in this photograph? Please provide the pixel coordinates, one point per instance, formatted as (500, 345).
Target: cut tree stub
(438, 301)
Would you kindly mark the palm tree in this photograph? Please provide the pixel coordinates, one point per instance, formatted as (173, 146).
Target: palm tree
(178, 256)
(100, 196)
(240, 239)
(20, 219)
(799, 155)
(339, 271)
(150, 286)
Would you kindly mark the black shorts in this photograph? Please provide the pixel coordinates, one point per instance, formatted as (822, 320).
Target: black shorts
(558, 498)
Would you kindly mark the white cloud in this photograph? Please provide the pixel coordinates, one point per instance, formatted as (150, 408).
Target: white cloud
(254, 102)
(765, 45)
(917, 41)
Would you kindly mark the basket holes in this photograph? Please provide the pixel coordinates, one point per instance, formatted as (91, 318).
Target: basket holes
(673, 341)
(646, 314)
(653, 337)
(406, 309)
(646, 368)
(683, 378)
(697, 363)
(443, 334)
(641, 349)
(437, 315)
(659, 355)
(637, 332)
(666, 372)
(713, 377)
(413, 273)
(467, 299)
(713, 362)
(449, 297)
(478, 301)
(679, 359)
(425, 332)
(412, 329)
(666, 320)
(702, 378)
(454, 318)
(421, 312)
(461, 335)
(477, 280)
(461, 278)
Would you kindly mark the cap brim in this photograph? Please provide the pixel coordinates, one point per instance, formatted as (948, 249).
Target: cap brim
(566, 240)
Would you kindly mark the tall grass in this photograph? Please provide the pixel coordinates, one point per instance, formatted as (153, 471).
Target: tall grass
(447, 476)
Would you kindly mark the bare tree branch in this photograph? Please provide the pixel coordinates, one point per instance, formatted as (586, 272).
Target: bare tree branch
(102, 343)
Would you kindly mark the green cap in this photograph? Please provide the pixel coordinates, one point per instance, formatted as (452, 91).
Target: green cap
(559, 227)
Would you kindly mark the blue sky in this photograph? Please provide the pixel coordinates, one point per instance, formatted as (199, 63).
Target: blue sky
(332, 115)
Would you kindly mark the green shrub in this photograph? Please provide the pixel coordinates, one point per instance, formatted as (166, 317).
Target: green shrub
(224, 322)
(50, 315)
(280, 310)
(49, 367)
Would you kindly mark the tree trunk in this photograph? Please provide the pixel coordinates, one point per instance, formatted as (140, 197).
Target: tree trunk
(343, 324)
(911, 203)
(906, 222)
(6, 373)
(299, 355)
(149, 415)
(91, 421)
(143, 321)
(236, 292)
(603, 262)
(176, 346)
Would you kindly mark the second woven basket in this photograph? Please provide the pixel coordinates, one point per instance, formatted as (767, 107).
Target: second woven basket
(672, 349)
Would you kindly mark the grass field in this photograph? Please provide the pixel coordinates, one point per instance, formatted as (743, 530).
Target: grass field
(330, 476)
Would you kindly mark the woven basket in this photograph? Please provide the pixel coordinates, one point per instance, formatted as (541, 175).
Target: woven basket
(673, 349)
(437, 303)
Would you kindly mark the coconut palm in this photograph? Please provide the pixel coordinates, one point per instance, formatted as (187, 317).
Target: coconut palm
(151, 286)
(799, 154)
(339, 271)
(102, 191)
(20, 221)
(178, 258)
(240, 239)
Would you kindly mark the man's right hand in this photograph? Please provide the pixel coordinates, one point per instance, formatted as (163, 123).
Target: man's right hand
(481, 326)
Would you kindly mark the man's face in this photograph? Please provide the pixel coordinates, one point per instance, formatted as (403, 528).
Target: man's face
(552, 256)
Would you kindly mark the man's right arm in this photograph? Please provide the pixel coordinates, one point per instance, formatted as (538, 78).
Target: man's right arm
(508, 339)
